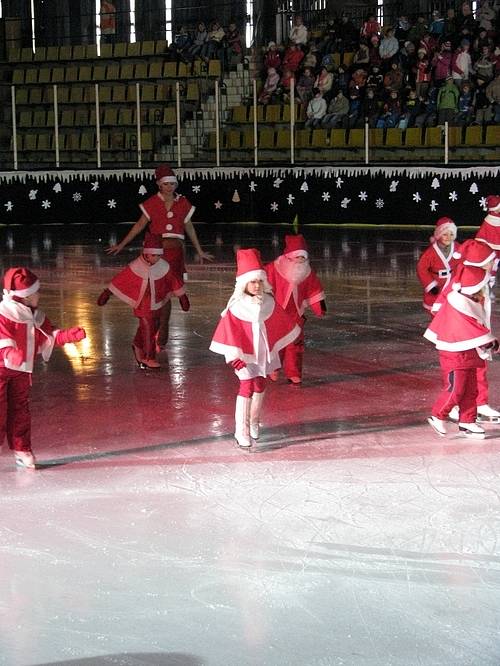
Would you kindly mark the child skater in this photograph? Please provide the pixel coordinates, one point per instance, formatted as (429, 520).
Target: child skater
(146, 284)
(24, 332)
(460, 331)
(252, 331)
(439, 260)
(295, 286)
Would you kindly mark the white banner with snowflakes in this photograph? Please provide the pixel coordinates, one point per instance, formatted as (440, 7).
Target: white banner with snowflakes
(315, 195)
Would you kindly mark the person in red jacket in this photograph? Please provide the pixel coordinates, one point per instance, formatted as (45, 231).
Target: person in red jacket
(295, 286)
(461, 333)
(168, 215)
(437, 263)
(251, 332)
(146, 284)
(25, 331)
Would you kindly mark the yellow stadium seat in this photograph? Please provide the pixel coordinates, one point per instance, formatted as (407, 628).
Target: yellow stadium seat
(110, 116)
(71, 75)
(454, 136)
(31, 76)
(148, 92)
(148, 48)
(338, 138)
(141, 71)
(214, 68)
(21, 95)
(99, 73)
(303, 138)
(119, 93)
(413, 137)
(85, 73)
(91, 51)
(146, 140)
(492, 138)
(160, 46)
(320, 138)
(273, 113)
(58, 75)
(89, 94)
(376, 137)
(134, 50)
(247, 139)
(44, 141)
(266, 139)
(50, 118)
(44, 75)
(120, 50)
(52, 53)
(356, 138)
(125, 117)
(183, 70)
(170, 70)
(113, 72)
(62, 94)
(283, 139)
(26, 55)
(240, 114)
(18, 76)
(434, 137)
(347, 58)
(79, 52)
(155, 70)
(35, 96)
(193, 92)
(40, 54)
(30, 141)
(88, 142)
(65, 52)
(76, 95)
(169, 115)
(13, 54)
(82, 117)
(131, 92)
(67, 118)
(233, 140)
(106, 51)
(394, 137)
(127, 71)
(473, 135)
(25, 119)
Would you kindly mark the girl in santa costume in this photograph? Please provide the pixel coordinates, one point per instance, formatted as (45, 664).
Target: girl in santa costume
(146, 284)
(252, 331)
(24, 332)
(489, 231)
(437, 263)
(295, 286)
(460, 330)
(168, 215)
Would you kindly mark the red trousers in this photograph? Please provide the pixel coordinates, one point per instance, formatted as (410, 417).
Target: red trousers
(145, 337)
(15, 417)
(250, 386)
(175, 257)
(461, 390)
(482, 384)
(293, 354)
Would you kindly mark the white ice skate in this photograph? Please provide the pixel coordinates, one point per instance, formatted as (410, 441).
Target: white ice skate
(471, 430)
(487, 413)
(437, 425)
(25, 459)
(255, 408)
(242, 422)
(454, 415)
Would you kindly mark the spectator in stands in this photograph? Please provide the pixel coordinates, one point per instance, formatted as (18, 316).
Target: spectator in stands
(361, 57)
(391, 111)
(450, 24)
(481, 40)
(428, 116)
(372, 107)
(234, 49)
(316, 109)
(436, 27)
(285, 84)
(393, 80)
(465, 105)
(370, 27)
(466, 23)
(441, 63)
(375, 80)
(408, 63)
(401, 30)
(485, 65)
(272, 57)
(461, 63)
(305, 86)
(329, 39)
(354, 117)
(214, 44)
(428, 43)
(293, 57)
(336, 112)
(341, 78)
(417, 31)
(493, 94)
(482, 104)
(179, 48)
(311, 57)
(411, 108)
(358, 81)
(324, 82)
(298, 33)
(107, 22)
(486, 16)
(270, 86)
(423, 77)
(373, 48)
(199, 39)
(447, 102)
(347, 35)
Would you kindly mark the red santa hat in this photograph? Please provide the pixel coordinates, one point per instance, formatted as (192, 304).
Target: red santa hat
(477, 254)
(249, 266)
(152, 244)
(164, 174)
(20, 282)
(443, 225)
(295, 246)
(493, 203)
(471, 280)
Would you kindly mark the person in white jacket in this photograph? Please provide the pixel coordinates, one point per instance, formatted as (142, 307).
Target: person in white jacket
(316, 109)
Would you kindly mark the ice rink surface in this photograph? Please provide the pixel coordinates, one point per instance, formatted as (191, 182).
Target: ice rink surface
(351, 535)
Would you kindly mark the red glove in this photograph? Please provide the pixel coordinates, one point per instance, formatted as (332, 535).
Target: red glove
(184, 301)
(238, 364)
(104, 297)
(319, 308)
(14, 355)
(74, 334)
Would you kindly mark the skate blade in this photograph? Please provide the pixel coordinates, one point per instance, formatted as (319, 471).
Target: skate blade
(488, 419)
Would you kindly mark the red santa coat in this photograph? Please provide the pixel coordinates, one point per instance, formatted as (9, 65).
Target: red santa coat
(27, 330)
(168, 224)
(460, 329)
(489, 231)
(146, 287)
(295, 298)
(254, 334)
(435, 270)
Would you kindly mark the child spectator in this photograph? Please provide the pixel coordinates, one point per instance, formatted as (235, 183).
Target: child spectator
(252, 331)
(482, 104)
(200, 37)
(423, 77)
(391, 111)
(293, 57)
(270, 86)
(213, 46)
(305, 86)
(354, 116)
(393, 80)
(370, 27)
(372, 106)
(272, 57)
(234, 47)
(316, 109)
(25, 331)
(295, 286)
(465, 106)
(324, 82)
(146, 284)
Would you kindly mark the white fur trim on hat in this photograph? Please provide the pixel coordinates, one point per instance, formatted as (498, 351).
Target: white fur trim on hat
(257, 274)
(298, 253)
(152, 250)
(23, 293)
(168, 179)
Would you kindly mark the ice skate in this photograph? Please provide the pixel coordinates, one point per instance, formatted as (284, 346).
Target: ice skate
(295, 380)
(242, 422)
(138, 357)
(454, 415)
(273, 376)
(151, 363)
(471, 430)
(488, 414)
(255, 409)
(25, 459)
(437, 425)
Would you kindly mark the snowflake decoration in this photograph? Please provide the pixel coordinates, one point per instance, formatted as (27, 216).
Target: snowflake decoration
(218, 205)
(290, 198)
(433, 204)
(304, 187)
(274, 206)
(339, 182)
(277, 182)
(32, 194)
(394, 186)
(453, 196)
(196, 189)
(345, 202)
(9, 206)
(253, 186)
(483, 203)
(473, 189)
(417, 197)
(46, 204)
(143, 190)
(326, 196)
(363, 196)
(57, 187)
(95, 186)
(435, 184)
(379, 203)
(77, 196)
(111, 203)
